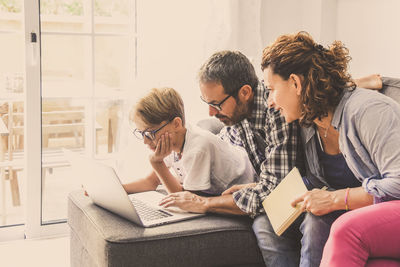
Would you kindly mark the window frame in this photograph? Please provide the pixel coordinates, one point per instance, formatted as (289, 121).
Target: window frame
(34, 226)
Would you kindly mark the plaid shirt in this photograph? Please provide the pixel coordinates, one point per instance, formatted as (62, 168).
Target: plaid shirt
(271, 145)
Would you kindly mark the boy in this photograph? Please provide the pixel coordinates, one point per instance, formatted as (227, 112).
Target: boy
(201, 160)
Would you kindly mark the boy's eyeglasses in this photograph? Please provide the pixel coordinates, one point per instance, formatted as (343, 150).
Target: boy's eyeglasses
(148, 134)
(216, 106)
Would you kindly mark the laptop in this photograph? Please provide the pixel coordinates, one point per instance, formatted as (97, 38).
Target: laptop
(103, 186)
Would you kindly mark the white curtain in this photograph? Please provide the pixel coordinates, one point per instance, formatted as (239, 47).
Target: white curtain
(235, 25)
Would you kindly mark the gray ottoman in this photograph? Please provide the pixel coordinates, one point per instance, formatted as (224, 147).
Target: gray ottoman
(100, 238)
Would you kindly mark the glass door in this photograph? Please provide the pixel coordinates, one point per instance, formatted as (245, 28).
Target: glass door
(87, 59)
(66, 70)
(12, 93)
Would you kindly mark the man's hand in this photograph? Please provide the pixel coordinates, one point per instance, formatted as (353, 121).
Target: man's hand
(186, 201)
(237, 187)
(317, 201)
(163, 149)
(372, 81)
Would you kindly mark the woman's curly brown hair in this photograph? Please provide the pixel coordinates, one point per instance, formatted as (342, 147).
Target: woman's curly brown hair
(324, 72)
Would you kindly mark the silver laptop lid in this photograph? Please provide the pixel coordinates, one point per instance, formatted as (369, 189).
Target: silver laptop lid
(103, 186)
(105, 189)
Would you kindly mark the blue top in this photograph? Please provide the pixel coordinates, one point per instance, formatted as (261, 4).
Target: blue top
(369, 139)
(336, 172)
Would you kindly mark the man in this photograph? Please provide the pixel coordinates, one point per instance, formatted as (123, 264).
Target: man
(230, 87)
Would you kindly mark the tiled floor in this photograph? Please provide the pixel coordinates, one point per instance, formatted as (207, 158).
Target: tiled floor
(35, 253)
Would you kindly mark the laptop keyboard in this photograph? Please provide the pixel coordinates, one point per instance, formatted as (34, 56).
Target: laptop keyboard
(148, 213)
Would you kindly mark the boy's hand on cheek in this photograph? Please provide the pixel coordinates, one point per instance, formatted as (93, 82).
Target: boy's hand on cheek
(163, 149)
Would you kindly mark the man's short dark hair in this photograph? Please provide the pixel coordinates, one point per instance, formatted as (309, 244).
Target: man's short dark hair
(230, 68)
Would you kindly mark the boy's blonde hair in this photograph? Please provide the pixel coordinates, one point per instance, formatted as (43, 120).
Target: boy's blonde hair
(161, 104)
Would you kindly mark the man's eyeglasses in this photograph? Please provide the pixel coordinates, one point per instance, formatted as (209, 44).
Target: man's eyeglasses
(216, 106)
(148, 134)
(266, 90)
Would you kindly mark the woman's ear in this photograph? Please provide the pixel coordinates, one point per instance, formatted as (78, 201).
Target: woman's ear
(296, 80)
(245, 92)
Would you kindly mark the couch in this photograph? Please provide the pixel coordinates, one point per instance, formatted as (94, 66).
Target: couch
(101, 238)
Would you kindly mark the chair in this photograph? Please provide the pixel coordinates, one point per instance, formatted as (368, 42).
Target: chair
(11, 145)
(211, 124)
(108, 123)
(61, 123)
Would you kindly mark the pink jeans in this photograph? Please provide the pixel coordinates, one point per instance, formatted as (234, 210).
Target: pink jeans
(368, 234)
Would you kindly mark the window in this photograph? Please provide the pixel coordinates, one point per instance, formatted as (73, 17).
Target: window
(12, 88)
(88, 51)
(79, 84)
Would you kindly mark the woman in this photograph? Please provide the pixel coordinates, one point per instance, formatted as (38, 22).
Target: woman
(350, 135)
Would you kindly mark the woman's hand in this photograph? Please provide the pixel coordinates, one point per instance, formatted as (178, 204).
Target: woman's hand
(317, 201)
(163, 149)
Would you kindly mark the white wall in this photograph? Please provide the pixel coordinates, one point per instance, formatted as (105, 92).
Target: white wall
(369, 28)
(318, 17)
(177, 36)
(170, 46)
(169, 53)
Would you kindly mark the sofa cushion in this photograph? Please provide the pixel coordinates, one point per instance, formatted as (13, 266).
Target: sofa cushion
(110, 240)
(391, 88)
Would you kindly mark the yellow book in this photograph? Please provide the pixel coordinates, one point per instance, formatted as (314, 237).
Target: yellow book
(277, 204)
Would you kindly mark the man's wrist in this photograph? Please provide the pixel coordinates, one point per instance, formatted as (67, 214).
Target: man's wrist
(221, 204)
(205, 203)
(252, 185)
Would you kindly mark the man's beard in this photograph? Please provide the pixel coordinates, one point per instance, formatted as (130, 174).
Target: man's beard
(241, 112)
